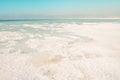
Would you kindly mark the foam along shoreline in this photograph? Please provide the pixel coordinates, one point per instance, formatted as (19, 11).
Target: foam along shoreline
(60, 51)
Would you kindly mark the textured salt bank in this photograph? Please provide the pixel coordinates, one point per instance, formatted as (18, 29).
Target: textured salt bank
(9, 36)
(45, 60)
(89, 51)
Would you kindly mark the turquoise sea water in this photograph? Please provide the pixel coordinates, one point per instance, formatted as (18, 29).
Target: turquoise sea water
(61, 20)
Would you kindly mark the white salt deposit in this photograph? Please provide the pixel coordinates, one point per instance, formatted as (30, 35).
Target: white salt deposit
(9, 36)
(71, 52)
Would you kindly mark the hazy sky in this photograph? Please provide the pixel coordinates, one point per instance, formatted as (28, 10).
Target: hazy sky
(58, 8)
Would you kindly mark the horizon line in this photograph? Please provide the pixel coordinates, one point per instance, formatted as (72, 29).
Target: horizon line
(54, 18)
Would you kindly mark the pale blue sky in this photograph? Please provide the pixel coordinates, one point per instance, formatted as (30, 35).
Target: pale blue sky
(58, 8)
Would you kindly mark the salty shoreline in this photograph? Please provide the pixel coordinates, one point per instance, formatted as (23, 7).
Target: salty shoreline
(60, 51)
